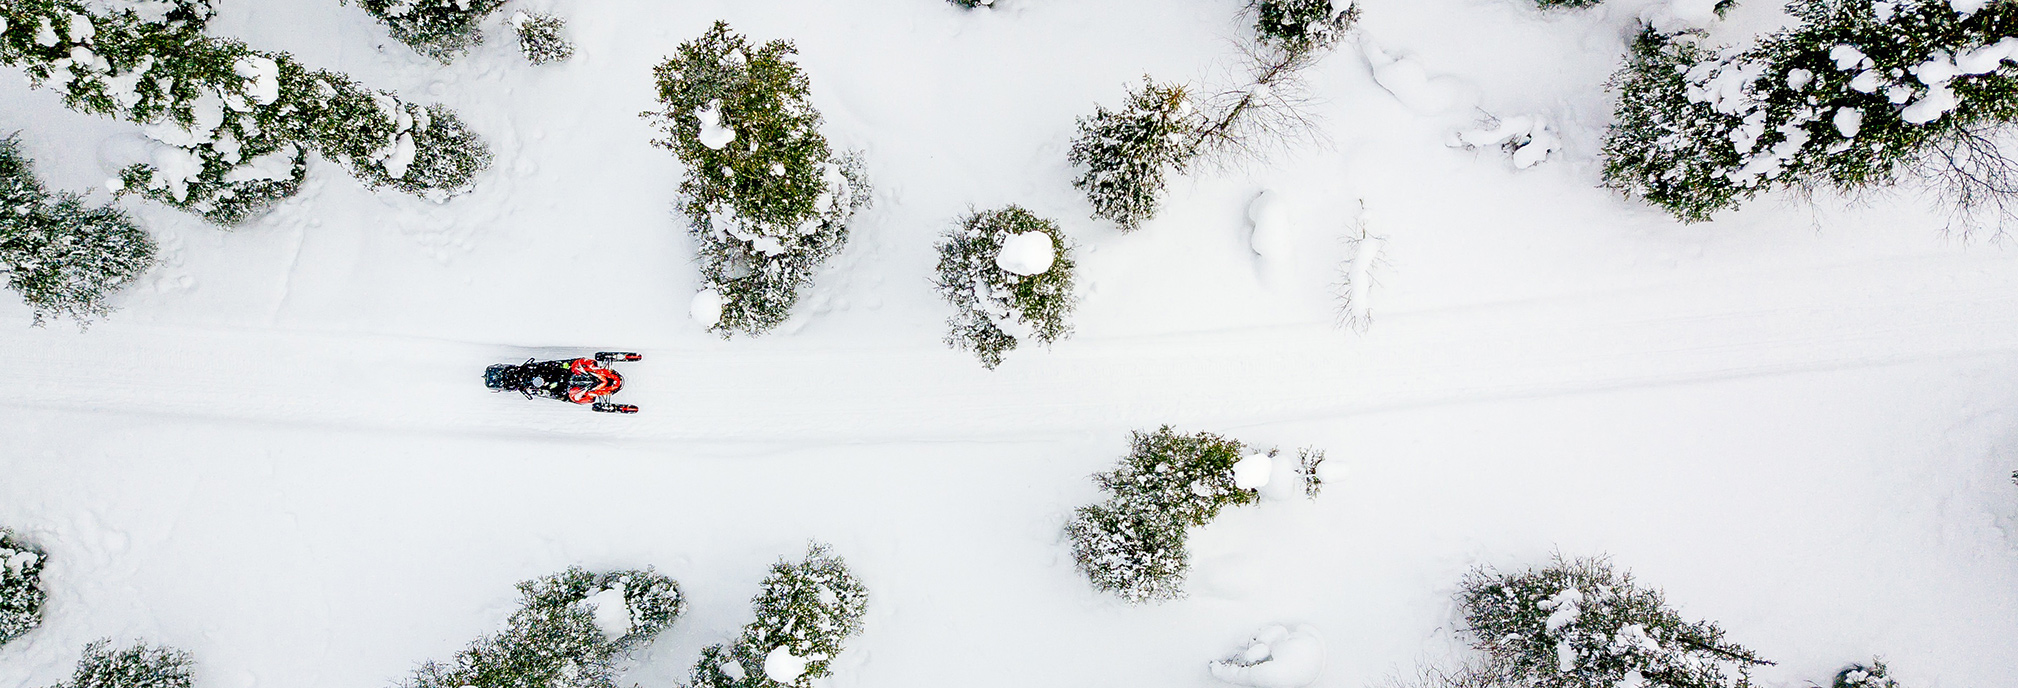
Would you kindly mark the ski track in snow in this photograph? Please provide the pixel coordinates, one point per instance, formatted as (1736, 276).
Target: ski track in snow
(1534, 348)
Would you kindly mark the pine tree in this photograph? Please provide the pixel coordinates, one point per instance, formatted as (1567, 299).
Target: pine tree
(1306, 25)
(768, 200)
(65, 258)
(138, 666)
(805, 614)
(1580, 624)
(1859, 93)
(441, 29)
(1001, 295)
(568, 633)
(541, 37)
(21, 593)
(1128, 153)
(235, 124)
(1139, 555)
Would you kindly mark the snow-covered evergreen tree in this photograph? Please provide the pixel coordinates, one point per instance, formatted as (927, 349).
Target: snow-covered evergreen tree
(1580, 624)
(971, 4)
(542, 36)
(234, 125)
(1133, 544)
(568, 632)
(441, 29)
(1128, 153)
(1858, 93)
(138, 666)
(1008, 274)
(768, 200)
(1304, 25)
(21, 593)
(64, 257)
(805, 615)
(1873, 675)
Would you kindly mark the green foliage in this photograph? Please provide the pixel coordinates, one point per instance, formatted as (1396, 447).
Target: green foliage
(1579, 624)
(1302, 26)
(805, 613)
(1857, 94)
(541, 37)
(64, 258)
(767, 199)
(554, 640)
(1873, 675)
(441, 29)
(1127, 153)
(21, 593)
(236, 125)
(138, 666)
(996, 308)
(1133, 544)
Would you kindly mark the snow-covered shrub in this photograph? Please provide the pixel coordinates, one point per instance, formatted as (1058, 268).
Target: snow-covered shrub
(1008, 274)
(1303, 25)
(441, 29)
(64, 258)
(1127, 153)
(1579, 624)
(1552, 4)
(1859, 93)
(1133, 544)
(138, 666)
(568, 633)
(767, 199)
(234, 125)
(971, 4)
(21, 593)
(1873, 675)
(1309, 465)
(1277, 657)
(1527, 139)
(805, 613)
(541, 36)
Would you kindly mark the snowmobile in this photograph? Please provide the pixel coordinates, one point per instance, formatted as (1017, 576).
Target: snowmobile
(580, 380)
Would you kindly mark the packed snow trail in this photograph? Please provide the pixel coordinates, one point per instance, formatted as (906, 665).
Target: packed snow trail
(782, 392)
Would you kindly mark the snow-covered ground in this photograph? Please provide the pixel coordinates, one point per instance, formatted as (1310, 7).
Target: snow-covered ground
(1800, 421)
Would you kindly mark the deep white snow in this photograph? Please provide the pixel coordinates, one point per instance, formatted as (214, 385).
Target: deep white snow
(1796, 420)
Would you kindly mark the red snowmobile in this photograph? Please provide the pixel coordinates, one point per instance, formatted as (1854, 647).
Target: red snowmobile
(580, 380)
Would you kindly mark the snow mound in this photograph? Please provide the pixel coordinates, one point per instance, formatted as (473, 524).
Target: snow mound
(1410, 83)
(707, 308)
(1028, 253)
(1528, 138)
(1252, 473)
(783, 666)
(713, 134)
(1269, 218)
(613, 616)
(1277, 657)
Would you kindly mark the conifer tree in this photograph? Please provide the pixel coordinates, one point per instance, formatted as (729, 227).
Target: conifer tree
(1580, 624)
(1008, 274)
(569, 631)
(541, 37)
(138, 666)
(1857, 94)
(66, 259)
(21, 593)
(235, 125)
(1128, 152)
(805, 614)
(441, 29)
(767, 199)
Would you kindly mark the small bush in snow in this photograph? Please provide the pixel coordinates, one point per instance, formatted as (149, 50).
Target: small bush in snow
(138, 666)
(971, 4)
(541, 37)
(234, 125)
(1552, 4)
(1008, 273)
(568, 632)
(21, 593)
(1579, 624)
(1128, 152)
(1303, 25)
(1859, 93)
(805, 613)
(1309, 462)
(1133, 544)
(1873, 675)
(63, 257)
(441, 29)
(767, 199)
